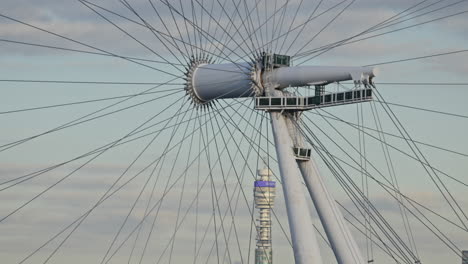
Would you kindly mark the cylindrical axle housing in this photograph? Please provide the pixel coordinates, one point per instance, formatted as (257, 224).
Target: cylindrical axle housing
(207, 82)
(317, 75)
(218, 81)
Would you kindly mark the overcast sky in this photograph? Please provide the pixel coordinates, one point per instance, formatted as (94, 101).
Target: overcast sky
(81, 46)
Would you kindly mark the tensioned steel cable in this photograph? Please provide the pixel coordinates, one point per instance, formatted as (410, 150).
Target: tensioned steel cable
(130, 35)
(86, 82)
(146, 183)
(211, 37)
(388, 250)
(182, 193)
(353, 191)
(425, 109)
(333, 117)
(324, 27)
(85, 102)
(223, 174)
(197, 198)
(104, 148)
(54, 237)
(424, 83)
(306, 22)
(245, 160)
(280, 25)
(152, 195)
(201, 30)
(257, 11)
(82, 217)
(392, 173)
(133, 162)
(208, 158)
(420, 57)
(177, 26)
(364, 182)
(341, 148)
(159, 207)
(168, 32)
(399, 20)
(251, 147)
(186, 169)
(174, 163)
(70, 124)
(210, 20)
(249, 151)
(326, 48)
(441, 237)
(164, 194)
(252, 219)
(226, 241)
(392, 18)
(246, 163)
(409, 200)
(81, 119)
(34, 174)
(295, 28)
(86, 45)
(303, 26)
(77, 121)
(231, 37)
(84, 51)
(290, 26)
(149, 26)
(232, 122)
(186, 29)
(107, 197)
(340, 220)
(162, 33)
(248, 13)
(244, 40)
(415, 149)
(221, 37)
(378, 26)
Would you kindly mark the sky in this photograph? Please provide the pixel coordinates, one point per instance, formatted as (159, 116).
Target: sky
(173, 154)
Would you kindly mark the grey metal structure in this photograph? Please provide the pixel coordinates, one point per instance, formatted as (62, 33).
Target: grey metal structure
(266, 78)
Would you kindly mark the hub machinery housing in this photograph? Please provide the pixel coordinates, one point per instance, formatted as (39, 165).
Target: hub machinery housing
(207, 82)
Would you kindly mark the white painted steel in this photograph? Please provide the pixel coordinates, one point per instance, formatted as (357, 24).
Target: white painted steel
(313, 75)
(342, 242)
(305, 245)
(216, 81)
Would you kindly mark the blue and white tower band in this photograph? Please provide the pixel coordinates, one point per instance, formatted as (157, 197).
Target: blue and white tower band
(264, 193)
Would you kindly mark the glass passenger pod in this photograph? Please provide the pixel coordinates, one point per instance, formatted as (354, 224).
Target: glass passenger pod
(302, 153)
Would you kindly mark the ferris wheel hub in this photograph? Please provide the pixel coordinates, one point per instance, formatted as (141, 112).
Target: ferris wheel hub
(207, 82)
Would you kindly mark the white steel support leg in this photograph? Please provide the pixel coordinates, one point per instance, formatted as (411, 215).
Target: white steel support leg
(305, 245)
(343, 244)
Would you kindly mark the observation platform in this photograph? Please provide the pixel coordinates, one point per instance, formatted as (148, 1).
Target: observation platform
(303, 103)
